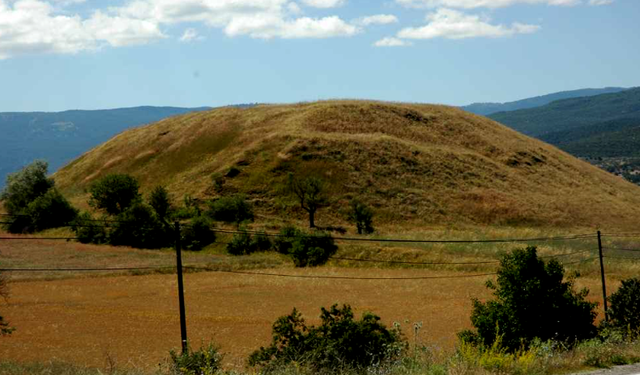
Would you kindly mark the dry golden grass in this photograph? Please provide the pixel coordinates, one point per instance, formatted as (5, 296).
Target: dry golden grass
(418, 165)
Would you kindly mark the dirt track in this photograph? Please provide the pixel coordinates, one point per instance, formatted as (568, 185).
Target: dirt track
(134, 319)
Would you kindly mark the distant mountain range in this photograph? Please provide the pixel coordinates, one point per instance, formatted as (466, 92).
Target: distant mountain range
(59, 137)
(603, 129)
(538, 101)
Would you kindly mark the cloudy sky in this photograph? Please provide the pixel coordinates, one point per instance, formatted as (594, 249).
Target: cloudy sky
(90, 54)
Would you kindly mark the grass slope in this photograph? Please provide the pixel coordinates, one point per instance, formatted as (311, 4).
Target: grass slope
(416, 165)
(573, 113)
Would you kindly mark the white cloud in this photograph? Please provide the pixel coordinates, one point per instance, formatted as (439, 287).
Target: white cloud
(378, 19)
(452, 24)
(470, 4)
(600, 2)
(190, 35)
(39, 26)
(392, 42)
(324, 3)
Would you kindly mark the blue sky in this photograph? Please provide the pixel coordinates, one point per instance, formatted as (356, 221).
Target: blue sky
(91, 54)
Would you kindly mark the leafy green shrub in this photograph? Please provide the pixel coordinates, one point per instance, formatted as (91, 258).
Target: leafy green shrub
(283, 243)
(234, 209)
(160, 202)
(50, 210)
(138, 226)
(311, 250)
(189, 209)
(261, 242)
(240, 244)
(35, 202)
(89, 231)
(362, 216)
(114, 193)
(197, 234)
(205, 361)
(625, 307)
(532, 301)
(340, 341)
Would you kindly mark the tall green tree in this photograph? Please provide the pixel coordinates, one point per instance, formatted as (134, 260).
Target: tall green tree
(114, 193)
(310, 193)
(533, 300)
(161, 203)
(31, 197)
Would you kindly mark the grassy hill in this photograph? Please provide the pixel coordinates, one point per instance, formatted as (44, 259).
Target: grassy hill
(417, 165)
(58, 137)
(538, 101)
(569, 114)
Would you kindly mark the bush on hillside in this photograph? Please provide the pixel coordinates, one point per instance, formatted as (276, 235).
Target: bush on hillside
(50, 210)
(114, 193)
(34, 201)
(311, 250)
(89, 230)
(189, 210)
(138, 226)
(240, 244)
(161, 203)
(624, 312)
(283, 243)
(362, 216)
(204, 361)
(339, 342)
(234, 209)
(197, 234)
(533, 300)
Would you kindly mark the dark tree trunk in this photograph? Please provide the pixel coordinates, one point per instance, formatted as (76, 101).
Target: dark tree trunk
(312, 214)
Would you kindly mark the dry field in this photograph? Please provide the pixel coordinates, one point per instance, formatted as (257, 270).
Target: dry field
(133, 319)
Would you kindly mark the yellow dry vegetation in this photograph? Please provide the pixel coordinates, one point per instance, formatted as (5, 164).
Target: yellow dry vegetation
(415, 164)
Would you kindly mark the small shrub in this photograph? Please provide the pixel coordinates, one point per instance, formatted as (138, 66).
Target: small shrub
(311, 250)
(240, 244)
(234, 209)
(205, 361)
(89, 231)
(625, 307)
(362, 216)
(283, 243)
(160, 202)
(197, 234)
(261, 242)
(339, 342)
(139, 227)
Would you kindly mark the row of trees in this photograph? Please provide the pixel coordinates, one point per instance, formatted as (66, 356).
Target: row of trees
(33, 200)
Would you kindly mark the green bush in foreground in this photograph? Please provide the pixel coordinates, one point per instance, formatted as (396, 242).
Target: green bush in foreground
(204, 361)
(197, 234)
(625, 307)
(340, 342)
(533, 301)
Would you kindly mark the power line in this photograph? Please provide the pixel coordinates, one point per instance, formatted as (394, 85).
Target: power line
(40, 238)
(619, 249)
(616, 257)
(83, 269)
(343, 277)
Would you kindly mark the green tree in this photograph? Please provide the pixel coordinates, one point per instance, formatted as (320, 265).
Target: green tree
(235, 209)
(625, 307)
(160, 202)
(533, 300)
(362, 216)
(312, 250)
(310, 195)
(114, 193)
(138, 226)
(34, 201)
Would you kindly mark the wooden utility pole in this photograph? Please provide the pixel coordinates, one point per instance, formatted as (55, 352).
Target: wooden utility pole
(183, 318)
(604, 287)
